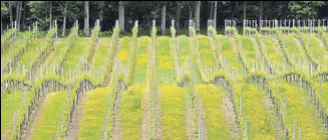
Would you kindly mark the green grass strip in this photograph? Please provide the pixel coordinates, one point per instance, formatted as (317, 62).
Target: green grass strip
(75, 54)
(165, 67)
(172, 103)
(259, 124)
(131, 110)
(95, 110)
(139, 75)
(48, 125)
(299, 108)
(211, 97)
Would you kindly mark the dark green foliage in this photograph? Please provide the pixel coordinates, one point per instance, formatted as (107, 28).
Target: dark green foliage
(146, 11)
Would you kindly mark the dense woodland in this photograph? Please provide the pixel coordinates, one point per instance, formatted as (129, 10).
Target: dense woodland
(87, 12)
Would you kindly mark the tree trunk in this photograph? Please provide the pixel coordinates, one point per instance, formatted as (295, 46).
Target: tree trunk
(50, 14)
(24, 14)
(163, 19)
(178, 16)
(215, 11)
(64, 21)
(18, 14)
(121, 15)
(86, 18)
(1, 24)
(211, 10)
(234, 9)
(190, 13)
(101, 13)
(244, 10)
(260, 14)
(1, 19)
(10, 13)
(197, 15)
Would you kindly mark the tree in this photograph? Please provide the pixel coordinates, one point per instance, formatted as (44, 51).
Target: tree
(121, 15)
(197, 15)
(37, 9)
(66, 13)
(163, 22)
(101, 11)
(18, 14)
(64, 19)
(244, 10)
(3, 11)
(305, 9)
(1, 19)
(234, 9)
(86, 18)
(260, 14)
(211, 9)
(24, 14)
(50, 14)
(10, 12)
(190, 7)
(178, 15)
(215, 11)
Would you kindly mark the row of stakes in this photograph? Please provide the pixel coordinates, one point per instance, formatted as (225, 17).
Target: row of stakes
(278, 23)
(311, 23)
(290, 23)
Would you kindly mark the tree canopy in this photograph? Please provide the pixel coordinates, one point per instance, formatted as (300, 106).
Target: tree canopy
(67, 12)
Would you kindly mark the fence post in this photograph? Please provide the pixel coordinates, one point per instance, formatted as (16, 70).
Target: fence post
(199, 118)
(240, 105)
(299, 133)
(15, 115)
(25, 106)
(294, 129)
(246, 128)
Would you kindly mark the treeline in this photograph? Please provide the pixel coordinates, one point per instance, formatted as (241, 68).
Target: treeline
(87, 12)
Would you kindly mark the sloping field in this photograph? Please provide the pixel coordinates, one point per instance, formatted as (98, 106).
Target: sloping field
(124, 87)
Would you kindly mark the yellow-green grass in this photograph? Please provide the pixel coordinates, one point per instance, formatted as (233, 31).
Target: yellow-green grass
(317, 50)
(198, 66)
(130, 113)
(26, 58)
(48, 125)
(75, 54)
(164, 65)
(197, 59)
(274, 56)
(94, 116)
(123, 53)
(299, 107)
(99, 62)
(60, 44)
(100, 55)
(15, 46)
(52, 63)
(183, 52)
(139, 75)
(291, 48)
(10, 40)
(9, 102)
(322, 94)
(260, 125)
(6, 38)
(326, 39)
(249, 54)
(183, 49)
(206, 53)
(211, 97)
(230, 54)
(172, 107)
(12, 101)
